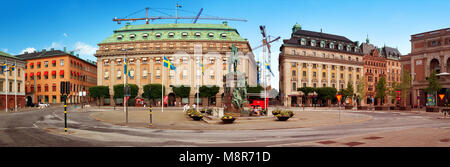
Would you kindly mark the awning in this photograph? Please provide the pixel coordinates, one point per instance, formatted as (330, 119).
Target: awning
(38, 63)
(31, 74)
(53, 61)
(31, 64)
(53, 72)
(25, 75)
(38, 73)
(61, 72)
(45, 73)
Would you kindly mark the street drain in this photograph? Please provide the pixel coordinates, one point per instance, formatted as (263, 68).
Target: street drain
(373, 138)
(351, 144)
(327, 142)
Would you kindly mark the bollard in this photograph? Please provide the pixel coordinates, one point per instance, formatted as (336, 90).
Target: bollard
(65, 115)
(151, 117)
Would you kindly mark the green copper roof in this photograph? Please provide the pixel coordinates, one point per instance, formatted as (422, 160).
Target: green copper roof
(3, 54)
(149, 32)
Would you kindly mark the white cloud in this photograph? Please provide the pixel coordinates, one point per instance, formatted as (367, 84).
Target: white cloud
(55, 45)
(29, 50)
(5, 50)
(85, 49)
(65, 35)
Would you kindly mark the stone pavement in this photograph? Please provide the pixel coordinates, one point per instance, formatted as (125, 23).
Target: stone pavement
(413, 137)
(175, 118)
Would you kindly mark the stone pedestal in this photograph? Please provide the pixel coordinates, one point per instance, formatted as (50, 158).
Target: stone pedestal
(234, 81)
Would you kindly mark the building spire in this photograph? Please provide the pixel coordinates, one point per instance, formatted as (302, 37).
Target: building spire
(367, 39)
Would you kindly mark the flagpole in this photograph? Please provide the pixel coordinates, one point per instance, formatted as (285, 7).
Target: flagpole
(7, 86)
(15, 81)
(162, 88)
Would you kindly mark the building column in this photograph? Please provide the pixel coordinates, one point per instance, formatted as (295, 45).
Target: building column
(329, 75)
(309, 84)
(112, 77)
(137, 76)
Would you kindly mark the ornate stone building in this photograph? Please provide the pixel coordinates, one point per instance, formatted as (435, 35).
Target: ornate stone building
(430, 51)
(316, 59)
(12, 82)
(187, 46)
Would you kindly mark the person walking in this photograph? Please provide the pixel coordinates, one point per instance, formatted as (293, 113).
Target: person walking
(185, 108)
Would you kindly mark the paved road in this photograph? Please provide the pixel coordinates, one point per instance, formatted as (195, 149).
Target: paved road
(45, 128)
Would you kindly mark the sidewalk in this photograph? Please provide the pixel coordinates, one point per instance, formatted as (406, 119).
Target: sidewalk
(174, 118)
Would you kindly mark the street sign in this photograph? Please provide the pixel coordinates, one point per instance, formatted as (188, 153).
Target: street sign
(442, 96)
(165, 99)
(339, 97)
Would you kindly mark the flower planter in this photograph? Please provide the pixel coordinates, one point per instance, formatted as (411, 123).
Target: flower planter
(283, 118)
(228, 121)
(347, 107)
(432, 109)
(380, 108)
(362, 107)
(197, 118)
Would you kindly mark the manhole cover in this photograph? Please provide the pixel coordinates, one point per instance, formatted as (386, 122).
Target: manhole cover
(373, 138)
(327, 142)
(351, 144)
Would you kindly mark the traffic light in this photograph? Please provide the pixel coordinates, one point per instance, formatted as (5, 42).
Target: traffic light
(62, 87)
(68, 87)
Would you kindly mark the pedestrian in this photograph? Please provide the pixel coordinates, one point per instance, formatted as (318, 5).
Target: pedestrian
(185, 108)
(194, 106)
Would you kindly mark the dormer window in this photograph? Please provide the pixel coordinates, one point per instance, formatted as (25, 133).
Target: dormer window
(197, 34)
(132, 36)
(158, 35)
(331, 45)
(184, 34)
(322, 44)
(313, 42)
(340, 47)
(303, 41)
(211, 35)
(145, 36)
(171, 34)
(224, 36)
(119, 37)
(348, 48)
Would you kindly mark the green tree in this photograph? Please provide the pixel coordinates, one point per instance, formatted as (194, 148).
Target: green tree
(405, 85)
(306, 91)
(181, 91)
(381, 89)
(98, 92)
(119, 93)
(361, 88)
(256, 89)
(153, 91)
(208, 91)
(326, 93)
(433, 84)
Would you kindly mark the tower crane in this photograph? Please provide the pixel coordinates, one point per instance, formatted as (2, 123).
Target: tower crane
(147, 18)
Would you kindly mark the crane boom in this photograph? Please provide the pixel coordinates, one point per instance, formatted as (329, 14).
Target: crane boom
(276, 39)
(198, 15)
(171, 17)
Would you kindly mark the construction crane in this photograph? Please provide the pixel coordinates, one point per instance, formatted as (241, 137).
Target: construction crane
(198, 15)
(268, 43)
(147, 18)
(266, 64)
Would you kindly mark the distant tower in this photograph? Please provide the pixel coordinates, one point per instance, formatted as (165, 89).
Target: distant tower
(296, 27)
(367, 39)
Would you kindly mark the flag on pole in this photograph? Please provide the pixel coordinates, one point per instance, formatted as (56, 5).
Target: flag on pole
(126, 71)
(203, 68)
(168, 64)
(13, 67)
(268, 67)
(178, 6)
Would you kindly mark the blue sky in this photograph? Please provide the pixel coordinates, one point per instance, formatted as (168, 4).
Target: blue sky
(81, 24)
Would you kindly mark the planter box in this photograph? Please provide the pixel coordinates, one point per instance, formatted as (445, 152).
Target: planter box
(283, 118)
(380, 108)
(392, 107)
(195, 118)
(348, 107)
(432, 109)
(362, 107)
(228, 121)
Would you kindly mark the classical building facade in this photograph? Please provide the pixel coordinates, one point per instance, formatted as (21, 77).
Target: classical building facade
(187, 46)
(316, 59)
(45, 70)
(12, 90)
(430, 51)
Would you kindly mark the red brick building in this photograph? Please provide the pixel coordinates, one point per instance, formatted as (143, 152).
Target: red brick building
(430, 51)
